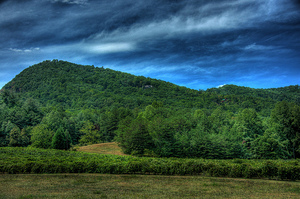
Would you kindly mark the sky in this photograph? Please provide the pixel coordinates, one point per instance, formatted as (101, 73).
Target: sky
(198, 44)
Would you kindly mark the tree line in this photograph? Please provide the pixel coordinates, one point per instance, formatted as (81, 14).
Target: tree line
(156, 130)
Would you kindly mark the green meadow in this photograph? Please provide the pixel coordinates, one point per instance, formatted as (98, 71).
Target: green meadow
(48, 173)
(141, 186)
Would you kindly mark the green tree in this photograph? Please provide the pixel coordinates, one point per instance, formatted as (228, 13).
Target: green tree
(246, 129)
(90, 134)
(249, 119)
(134, 138)
(281, 118)
(41, 136)
(32, 112)
(18, 138)
(111, 120)
(55, 119)
(5, 129)
(285, 120)
(10, 98)
(68, 140)
(219, 121)
(295, 134)
(202, 120)
(270, 146)
(162, 135)
(59, 140)
(14, 137)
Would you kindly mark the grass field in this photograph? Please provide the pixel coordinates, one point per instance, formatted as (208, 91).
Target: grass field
(85, 185)
(140, 186)
(110, 148)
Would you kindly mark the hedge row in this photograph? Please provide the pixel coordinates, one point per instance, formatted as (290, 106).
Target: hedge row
(31, 160)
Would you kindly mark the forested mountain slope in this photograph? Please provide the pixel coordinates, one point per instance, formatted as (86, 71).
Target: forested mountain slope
(289, 93)
(75, 87)
(57, 104)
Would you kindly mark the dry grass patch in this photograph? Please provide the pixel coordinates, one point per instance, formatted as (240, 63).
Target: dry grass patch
(110, 148)
(141, 186)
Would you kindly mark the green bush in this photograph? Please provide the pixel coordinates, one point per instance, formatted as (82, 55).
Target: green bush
(31, 160)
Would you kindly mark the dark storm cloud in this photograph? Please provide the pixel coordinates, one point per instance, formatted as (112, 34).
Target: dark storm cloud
(195, 43)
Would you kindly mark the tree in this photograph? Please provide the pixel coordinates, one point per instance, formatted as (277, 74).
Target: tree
(41, 136)
(110, 122)
(281, 118)
(246, 129)
(5, 129)
(90, 134)
(201, 119)
(32, 112)
(15, 137)
(55, 119)
(295, 134)
(10, 98)
(285, 120)
(68, 140)
(219, 120)
(134, 138)
(249, 119)
(162, 136)
(60, 140)
(18, 138)
(270, 146)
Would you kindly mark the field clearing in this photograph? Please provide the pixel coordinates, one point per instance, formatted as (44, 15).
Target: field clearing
(110, 148)
(140, 186)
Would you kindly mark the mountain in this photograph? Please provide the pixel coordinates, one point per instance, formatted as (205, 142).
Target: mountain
(57, 104)
(78, 87)
(75, 86)
(289, 93)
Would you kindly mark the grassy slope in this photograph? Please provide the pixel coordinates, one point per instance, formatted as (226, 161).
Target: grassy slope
(137, 186)
(110, 148)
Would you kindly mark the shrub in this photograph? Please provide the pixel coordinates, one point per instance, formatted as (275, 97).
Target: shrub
(33, 160)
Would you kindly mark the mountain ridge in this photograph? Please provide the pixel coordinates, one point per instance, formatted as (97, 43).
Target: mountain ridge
(75, 86)
(58, 103)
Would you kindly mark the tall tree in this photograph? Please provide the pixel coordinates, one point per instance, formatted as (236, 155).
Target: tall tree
(41, 136)
(90, 134)
(59, 140)
(285, 120)
(270, 146)
(15, 137)
(134, 138)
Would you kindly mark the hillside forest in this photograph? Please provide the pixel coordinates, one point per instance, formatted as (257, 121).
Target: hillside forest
(57, 104)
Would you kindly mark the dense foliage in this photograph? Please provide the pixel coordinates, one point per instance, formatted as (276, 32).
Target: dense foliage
(30, 160)
(57, 104)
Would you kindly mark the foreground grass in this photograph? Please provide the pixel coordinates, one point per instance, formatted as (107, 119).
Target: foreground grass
(110, 148)
(140, 186)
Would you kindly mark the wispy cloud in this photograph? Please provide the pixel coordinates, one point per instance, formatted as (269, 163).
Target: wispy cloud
(109, 48)
(81, 2)
(29, 50)
(202, 21)
(255, 47)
